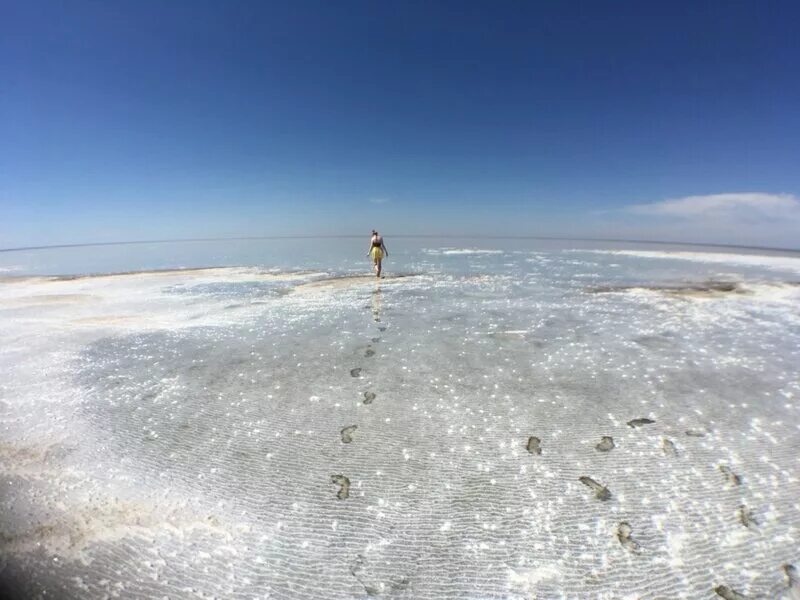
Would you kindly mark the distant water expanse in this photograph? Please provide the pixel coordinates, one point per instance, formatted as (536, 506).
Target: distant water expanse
(495, 419)
(300, 253)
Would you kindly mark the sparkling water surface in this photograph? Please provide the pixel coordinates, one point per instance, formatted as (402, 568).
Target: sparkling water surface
(494, 419)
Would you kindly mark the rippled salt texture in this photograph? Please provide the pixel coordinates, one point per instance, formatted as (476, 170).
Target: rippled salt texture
(177, 434)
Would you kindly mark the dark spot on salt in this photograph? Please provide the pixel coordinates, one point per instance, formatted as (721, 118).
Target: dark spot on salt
(213, 520)
(344, 486)
(730, 476)
(381, 328)
(534, 445)
(729, 594)
(369, 397)
(606, 444)
(347, 433)
(369, 352)
(601, 492)
(355, 372)
(640, 422)
(375, 340)
(624, 531)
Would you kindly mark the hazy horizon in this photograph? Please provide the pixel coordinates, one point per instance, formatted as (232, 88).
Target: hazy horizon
(393, 235)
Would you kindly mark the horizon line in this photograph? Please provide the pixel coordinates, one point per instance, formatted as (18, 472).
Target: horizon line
(399, 235)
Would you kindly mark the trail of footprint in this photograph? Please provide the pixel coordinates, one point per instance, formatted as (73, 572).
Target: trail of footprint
(624, 531)
(534, 445)
(355, 372)
(695, 433)
(375, 340)
(347, 433)
(601, 492)
(344, 486)
(634, 423)
(606, 444)
(369, 352)
(369, 397)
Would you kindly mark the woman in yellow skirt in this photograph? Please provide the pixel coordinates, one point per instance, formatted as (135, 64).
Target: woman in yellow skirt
(377, 251)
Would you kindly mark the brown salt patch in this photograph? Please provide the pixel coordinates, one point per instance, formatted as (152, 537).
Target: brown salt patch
(49, 299)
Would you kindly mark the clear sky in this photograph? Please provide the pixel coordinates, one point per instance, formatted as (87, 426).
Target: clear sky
(125, 120)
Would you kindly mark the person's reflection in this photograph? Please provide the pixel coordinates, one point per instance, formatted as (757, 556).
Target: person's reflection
(376, 303)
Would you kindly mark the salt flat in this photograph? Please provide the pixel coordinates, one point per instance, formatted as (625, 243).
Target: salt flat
(505, 423)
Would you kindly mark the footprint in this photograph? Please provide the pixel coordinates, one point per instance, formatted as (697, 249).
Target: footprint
(369, 352)
(600, 491)
(669, 447)
(369, 397)
(533, 446)
(624, 531)
(728, 593)
(375, 587)
(695, 433)
(746, 517)
(375, 340)
(370, 589)
(344, 483)
(730, 476)
(381, 328)
(347, 433)
(606, 444)
(640, 422)
(355, 372)
(792, 576)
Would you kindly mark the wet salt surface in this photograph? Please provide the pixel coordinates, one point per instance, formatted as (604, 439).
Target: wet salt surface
(508, 432)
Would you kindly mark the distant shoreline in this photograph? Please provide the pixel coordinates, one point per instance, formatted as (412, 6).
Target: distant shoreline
(428, 236)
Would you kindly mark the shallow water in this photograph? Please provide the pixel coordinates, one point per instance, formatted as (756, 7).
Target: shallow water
(279, 428)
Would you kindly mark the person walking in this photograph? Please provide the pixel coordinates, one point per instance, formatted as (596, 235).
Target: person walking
(377, 252)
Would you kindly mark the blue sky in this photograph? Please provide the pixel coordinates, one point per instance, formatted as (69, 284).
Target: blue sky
(149, 120)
